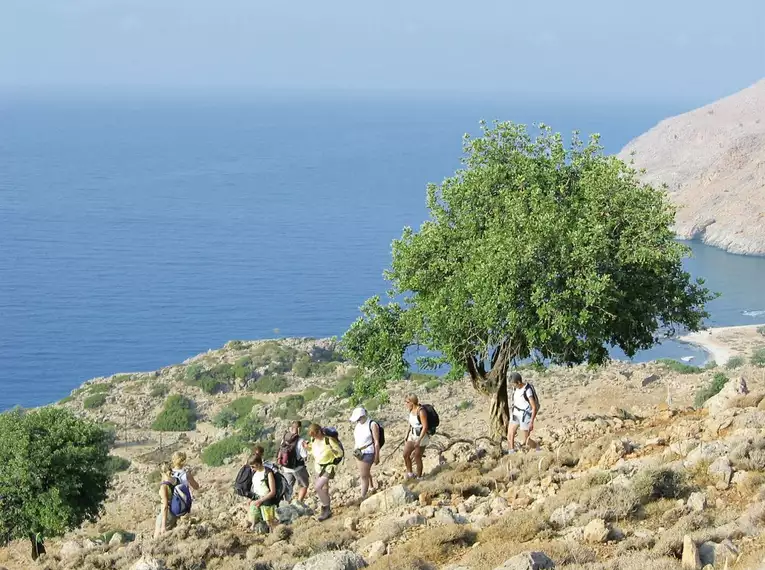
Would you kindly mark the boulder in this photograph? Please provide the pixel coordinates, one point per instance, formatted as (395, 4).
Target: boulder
(564, 516)
(706, 452)
(375, 550)
(691, 560)
(649, 380)
(287, 514)
(717, 554)
(460, 453)
(528, 561)
(390, 498)
(596, 532)
(337, 560)
(727, 397)
(70, 549)
(721, 472)
(617, 449)
(697, 501)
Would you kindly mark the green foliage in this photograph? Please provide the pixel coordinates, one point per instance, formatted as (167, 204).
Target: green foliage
(107, 536)
(302, 367)
(159, 390)
(250, 428)
(711, 365)
(432, 385)
(54, 472)
(116, 464)
(99, 388)
(758, 357)
(269, 384)
(761, 330)
(311, 393)
(235, 413)
(420, 378)
(464, 405)
(718, 382)
(154, 477)
(289, 407)
(122, 378)
(533, 249)
(243, 368)
(679, 367)
(277, 358)
(236, 345)
(325, 368)
(344, 387)
(373, 404)
(735, 362)
(94, 401)
(177, 415)
(653, 484)
(215, 454)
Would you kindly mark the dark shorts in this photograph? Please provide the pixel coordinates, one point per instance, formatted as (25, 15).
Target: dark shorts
(367, 458)
(297, 476)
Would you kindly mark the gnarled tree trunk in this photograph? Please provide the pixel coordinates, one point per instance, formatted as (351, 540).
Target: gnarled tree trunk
(494, 383)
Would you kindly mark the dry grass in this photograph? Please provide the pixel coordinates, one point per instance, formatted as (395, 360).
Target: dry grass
(429, 550)
(459, 479)
(670, 543)
(565, 552)
(518, 526)
(749, 456)
(313, 537)
(637, 561)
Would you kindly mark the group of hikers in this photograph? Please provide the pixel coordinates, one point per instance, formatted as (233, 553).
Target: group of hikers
(266, 483)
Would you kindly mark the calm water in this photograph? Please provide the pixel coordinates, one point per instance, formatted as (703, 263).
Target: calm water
(135, 234)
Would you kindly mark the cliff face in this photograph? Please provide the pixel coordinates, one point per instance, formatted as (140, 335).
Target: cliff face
(713, 161)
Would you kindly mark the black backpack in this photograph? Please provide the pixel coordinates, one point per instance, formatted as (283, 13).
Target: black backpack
(243, 483)
(283, 488)
(381, 432)
(533, 395)
(433, 419)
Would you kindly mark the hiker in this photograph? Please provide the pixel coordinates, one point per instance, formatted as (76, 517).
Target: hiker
(416, 438)
(264, 494)
(367, 444)
(181, 471)
(291, 459)
(525, 406)
(327, 452)
(166, 520)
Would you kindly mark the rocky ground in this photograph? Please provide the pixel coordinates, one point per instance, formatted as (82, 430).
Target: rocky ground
(630, 475)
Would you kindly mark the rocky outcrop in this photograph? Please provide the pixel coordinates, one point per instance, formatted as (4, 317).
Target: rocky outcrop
(712, 160)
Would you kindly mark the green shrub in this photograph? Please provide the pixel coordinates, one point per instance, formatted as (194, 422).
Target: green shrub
(269, 384)
(210, 381)
(375, 403)
(226, 417)
(312, 393)
(215, 454)
(679, 367)
(177, 415)
(94, 401)
(288, 407)
(758, 357)
(653, 484)
(236, 345)
(324, 368)
(735, 362)
(420, 377)
(464, 405)
(107, 536)
(122, 378)
(344, 387)
(250, 428)
(302, 367)
(243, 368)
(331, 412)
(159, 390)
(100, 388)
(718, 381)
(711, 365)
(432, 385)
(235, 412)
(116, 463)
(273, 355)
(154, 477)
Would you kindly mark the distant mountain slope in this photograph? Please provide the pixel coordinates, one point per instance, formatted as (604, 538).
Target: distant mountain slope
(713, 161)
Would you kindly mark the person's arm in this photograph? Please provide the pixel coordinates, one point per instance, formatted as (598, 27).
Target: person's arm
(271, 490)
(192, 482)
(164, 495)
(376, 440)
(533, 404)
(424, 423)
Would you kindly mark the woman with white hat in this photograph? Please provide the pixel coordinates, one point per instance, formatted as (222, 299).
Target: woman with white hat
(367, 443)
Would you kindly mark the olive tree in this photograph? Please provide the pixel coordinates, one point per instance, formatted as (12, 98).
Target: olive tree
(54, 473)
(535, 248)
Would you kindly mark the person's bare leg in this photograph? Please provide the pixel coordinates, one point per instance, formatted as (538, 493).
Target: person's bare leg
(364, 477)
(302, 492)
(418, 460)
(511, 430)
(408, 448)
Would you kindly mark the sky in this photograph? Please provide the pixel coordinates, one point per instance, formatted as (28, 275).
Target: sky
(604, 49)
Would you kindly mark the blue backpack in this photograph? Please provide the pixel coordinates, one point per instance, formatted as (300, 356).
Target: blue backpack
(180, 502)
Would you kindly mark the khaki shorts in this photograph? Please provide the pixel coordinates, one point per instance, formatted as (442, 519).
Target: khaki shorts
(264, 514)
(425, 440)
(297, 477)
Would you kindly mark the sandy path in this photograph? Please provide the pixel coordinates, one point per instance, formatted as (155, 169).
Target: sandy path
(724, 342)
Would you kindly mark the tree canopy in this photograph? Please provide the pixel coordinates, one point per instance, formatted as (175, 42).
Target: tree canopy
(534, 249)
(54, 472)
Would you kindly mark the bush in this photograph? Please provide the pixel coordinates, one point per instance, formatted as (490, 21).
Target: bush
(432, 385)
(209, 381)
(288, 407)
(270, 384)
(116, 464)
(653, 484)
(225, 418)
(154, 477)
(274, 356)
(177, 415)
(302, 367)
(214, 455)
(735, 362)
(464, 405)
(159, 390)
(312, 393)
(324, 368)
(718, 381)
(121, 378)
(344, 387)
(100, 388)
(761, 330)
(679, 367)
(236, 345)
(243, 368)
(94, 401)
(758, 357)
(250, 428)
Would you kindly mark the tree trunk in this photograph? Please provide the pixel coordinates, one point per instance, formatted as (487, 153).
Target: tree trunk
(494, 384)
(38, 548)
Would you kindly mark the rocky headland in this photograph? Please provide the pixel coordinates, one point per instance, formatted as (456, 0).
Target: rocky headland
(642, 467)
(712, 160)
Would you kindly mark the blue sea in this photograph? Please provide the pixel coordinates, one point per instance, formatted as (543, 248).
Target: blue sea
(135, 233)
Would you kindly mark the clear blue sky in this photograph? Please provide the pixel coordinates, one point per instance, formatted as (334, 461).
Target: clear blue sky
(656, 49)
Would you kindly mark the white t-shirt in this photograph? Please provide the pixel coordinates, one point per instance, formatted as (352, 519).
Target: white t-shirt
(519, 401)
(363, 439)
(260, 483)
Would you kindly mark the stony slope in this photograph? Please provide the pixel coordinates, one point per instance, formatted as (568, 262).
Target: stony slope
(627, 470)
(712, 160)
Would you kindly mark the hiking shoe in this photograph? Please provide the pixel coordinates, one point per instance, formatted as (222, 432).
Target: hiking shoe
(325, 514)
(411, 476)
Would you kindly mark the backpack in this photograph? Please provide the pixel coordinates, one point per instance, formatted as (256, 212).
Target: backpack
(283, 488)
(533, 395)
(180, 501)
(433, 419)
(381, 432)
(332, 432)
(243, 482)
(287, 455)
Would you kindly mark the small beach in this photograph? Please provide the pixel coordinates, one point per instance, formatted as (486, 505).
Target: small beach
(721, 343)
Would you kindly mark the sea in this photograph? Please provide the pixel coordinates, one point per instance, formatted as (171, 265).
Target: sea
(136, 232)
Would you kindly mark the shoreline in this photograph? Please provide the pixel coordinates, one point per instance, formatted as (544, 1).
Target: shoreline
(722, 343)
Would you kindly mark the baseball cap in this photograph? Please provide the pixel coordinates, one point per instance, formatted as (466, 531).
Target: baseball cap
(357, 414)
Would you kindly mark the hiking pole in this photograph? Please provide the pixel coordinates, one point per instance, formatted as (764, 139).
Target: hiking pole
(392, 453)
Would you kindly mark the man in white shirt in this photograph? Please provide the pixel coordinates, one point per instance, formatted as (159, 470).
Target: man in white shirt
(523, 412)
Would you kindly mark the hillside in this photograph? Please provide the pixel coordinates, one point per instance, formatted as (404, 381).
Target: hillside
(712, 160)
(628, 471)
